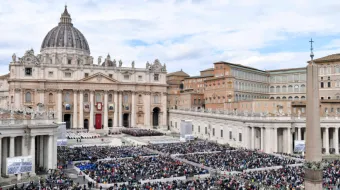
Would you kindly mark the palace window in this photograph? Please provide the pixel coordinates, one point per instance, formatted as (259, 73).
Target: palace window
(328, 84)
(213, 132)
(28, 71)
(221, 133)
(199, 129)
(28, 98)
(240, 137)
(156, 77)
(321, 84)
(206, 130)
(230, 134)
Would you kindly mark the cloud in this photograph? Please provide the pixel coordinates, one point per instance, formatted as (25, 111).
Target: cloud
(184, 34)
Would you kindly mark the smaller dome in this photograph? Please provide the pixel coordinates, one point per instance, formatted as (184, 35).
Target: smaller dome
(65, 35)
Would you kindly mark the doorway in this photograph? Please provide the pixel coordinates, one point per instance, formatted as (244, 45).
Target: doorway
(86, 124)
(110, 122)
(155, 115)
(67, 119)
(126, 120)
(98, 121)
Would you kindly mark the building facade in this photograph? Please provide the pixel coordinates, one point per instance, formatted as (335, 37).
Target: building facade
(64, 79)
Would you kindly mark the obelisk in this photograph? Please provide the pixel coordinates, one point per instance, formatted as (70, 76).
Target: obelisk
(313, 167)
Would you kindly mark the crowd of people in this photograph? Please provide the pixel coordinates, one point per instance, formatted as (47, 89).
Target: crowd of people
(141, 132)
(238, 160)
(66, 154)
(189, 147)
(139, 168)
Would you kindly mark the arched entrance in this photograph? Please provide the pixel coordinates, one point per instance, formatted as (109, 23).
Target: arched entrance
(67, 119)
(86, 124)
(155, 116)
(126, 120)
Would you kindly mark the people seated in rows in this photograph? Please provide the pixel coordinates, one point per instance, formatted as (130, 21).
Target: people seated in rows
(141, 132)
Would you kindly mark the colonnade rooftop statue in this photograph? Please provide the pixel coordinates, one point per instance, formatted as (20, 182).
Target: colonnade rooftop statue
(313, 166)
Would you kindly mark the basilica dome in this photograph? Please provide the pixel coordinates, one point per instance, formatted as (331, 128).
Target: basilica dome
(65, 36)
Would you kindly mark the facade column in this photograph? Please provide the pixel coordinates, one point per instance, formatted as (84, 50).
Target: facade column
(133, 109)
(165, 110)
(298, 133)
(50, 152)
(32, 153)
(326, 136)
(116, 109)
(4, 155)
(41, 93)
(11, 146)
(120, 107)
(147, 109)
(17, 99)
(55, 158)
(91, 111)
(275, 139)
(336, 140)
(262, 139)
(60, 106)
(75, 106)
(252, 138)
(106, 105)
(289, 141)
(81, 109)
(1, 156)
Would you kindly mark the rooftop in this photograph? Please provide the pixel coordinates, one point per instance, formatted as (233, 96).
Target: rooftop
(328, 58)
(178, 73)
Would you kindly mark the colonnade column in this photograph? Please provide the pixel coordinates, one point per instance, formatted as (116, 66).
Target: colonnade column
(105, 111)
(60, 106)
(11, 147)
(289, 141)
(133, 109)
(17, 99)
(81, 108)
(32, 152)
(268, 144)
(336, 140)
(50, 152)
(253, 138)
(0, 155)
(55, 153)
(75, 106)
(147, 109)
(326, 140)
(298, 133)
(120, 114)
(41, 148)
(275, 139)
(23, 146)
(4, 154)
(164, 108)
(115, 97)
(91, 110)
(262, 139)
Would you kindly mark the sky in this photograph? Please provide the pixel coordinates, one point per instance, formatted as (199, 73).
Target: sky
(184, 34)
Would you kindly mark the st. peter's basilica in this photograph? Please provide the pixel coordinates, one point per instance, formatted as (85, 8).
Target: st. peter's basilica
(64, 80)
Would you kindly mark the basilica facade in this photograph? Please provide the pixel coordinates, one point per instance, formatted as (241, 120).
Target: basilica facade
(64, 80)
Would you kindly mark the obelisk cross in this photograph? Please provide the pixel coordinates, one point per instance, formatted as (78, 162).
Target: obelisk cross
(311, 49)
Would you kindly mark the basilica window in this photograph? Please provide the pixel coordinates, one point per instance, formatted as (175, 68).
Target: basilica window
(230, 135)
(28, 71)
(125, 99)
(12, 99)
(156, 77)
(126, 77)
(67, 74)
(290, 88)
(110, 75)
(303, 88)
(240, 137)
(86, 75)
(69, 61)
(140, 78)
(50, 98)
(110, 98)
(213, 132)
(221, 133)
(86, 97)
(50, 73)
(98, 97)
(28, 98)
(156, 99)
(67, 97)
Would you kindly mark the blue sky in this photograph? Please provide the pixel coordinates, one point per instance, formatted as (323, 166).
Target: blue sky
(185, 34)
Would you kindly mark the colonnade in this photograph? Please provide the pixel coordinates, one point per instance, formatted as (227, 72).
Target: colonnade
(42, 149)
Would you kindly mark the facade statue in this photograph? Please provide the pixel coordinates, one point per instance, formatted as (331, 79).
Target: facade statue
(133, 64)
(114, 63)
(120, 63)
(299, 113)
(99, 60)
(14, 58)
(147, 65)
(164, 67)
